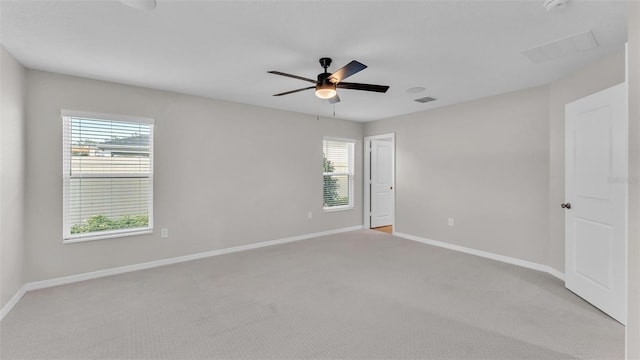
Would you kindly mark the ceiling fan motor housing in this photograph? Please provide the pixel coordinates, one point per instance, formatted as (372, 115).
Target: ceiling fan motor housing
(323, 78)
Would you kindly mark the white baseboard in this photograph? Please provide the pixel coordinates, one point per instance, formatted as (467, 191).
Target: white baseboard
(151, 264)
(12, 302)
(506, 259)
(156, 263)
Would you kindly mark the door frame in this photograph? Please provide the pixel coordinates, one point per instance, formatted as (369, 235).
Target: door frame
(367, 178)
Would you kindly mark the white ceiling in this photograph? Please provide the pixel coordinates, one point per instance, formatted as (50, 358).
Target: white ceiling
(457, 50)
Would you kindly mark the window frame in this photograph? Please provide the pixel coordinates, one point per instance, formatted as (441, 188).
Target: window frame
(67, 237)
(351, 174)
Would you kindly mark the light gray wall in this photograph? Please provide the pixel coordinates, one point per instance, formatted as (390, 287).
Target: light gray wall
(495, 165)
(12, 175)
(583, 82)
(483, 163)
(226, 174)
(633, 299)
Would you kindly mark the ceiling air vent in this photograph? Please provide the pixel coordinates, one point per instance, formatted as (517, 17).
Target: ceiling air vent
(425, 99)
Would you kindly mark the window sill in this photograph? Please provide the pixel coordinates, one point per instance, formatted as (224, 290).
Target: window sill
(106, 235)
(338, 208)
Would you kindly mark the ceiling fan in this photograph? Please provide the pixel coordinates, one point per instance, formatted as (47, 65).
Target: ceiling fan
(327, 84)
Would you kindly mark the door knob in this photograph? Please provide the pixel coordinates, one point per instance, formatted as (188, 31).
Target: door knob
(566, 205)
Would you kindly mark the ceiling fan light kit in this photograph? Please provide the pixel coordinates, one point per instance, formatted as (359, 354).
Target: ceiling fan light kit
(326, 91)
(327, 84)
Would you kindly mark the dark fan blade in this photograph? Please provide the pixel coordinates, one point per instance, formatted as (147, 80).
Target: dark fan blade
(292, 76)
(346, 71)
(335, 99)
(294, 91)
(365, 87)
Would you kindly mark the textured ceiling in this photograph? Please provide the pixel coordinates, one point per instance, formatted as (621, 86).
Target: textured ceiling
(456, 50)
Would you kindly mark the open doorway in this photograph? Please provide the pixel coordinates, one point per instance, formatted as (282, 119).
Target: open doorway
(379, 182)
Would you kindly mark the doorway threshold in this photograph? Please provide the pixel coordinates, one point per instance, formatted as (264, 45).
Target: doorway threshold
(388, 229)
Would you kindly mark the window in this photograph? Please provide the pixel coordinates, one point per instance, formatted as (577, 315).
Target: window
(338, 166)
(108, 176)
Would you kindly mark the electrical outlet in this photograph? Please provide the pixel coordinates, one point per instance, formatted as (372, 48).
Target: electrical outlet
(450, 221)
(164, 233)
(309, 215)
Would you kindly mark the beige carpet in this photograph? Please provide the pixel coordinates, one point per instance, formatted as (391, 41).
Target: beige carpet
(358, 295)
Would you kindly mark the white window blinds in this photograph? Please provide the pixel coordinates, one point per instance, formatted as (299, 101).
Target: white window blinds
(108, 175)
(338, 173)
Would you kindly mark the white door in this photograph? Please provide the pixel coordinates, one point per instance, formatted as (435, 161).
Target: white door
(596, 199)
(381, 183)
